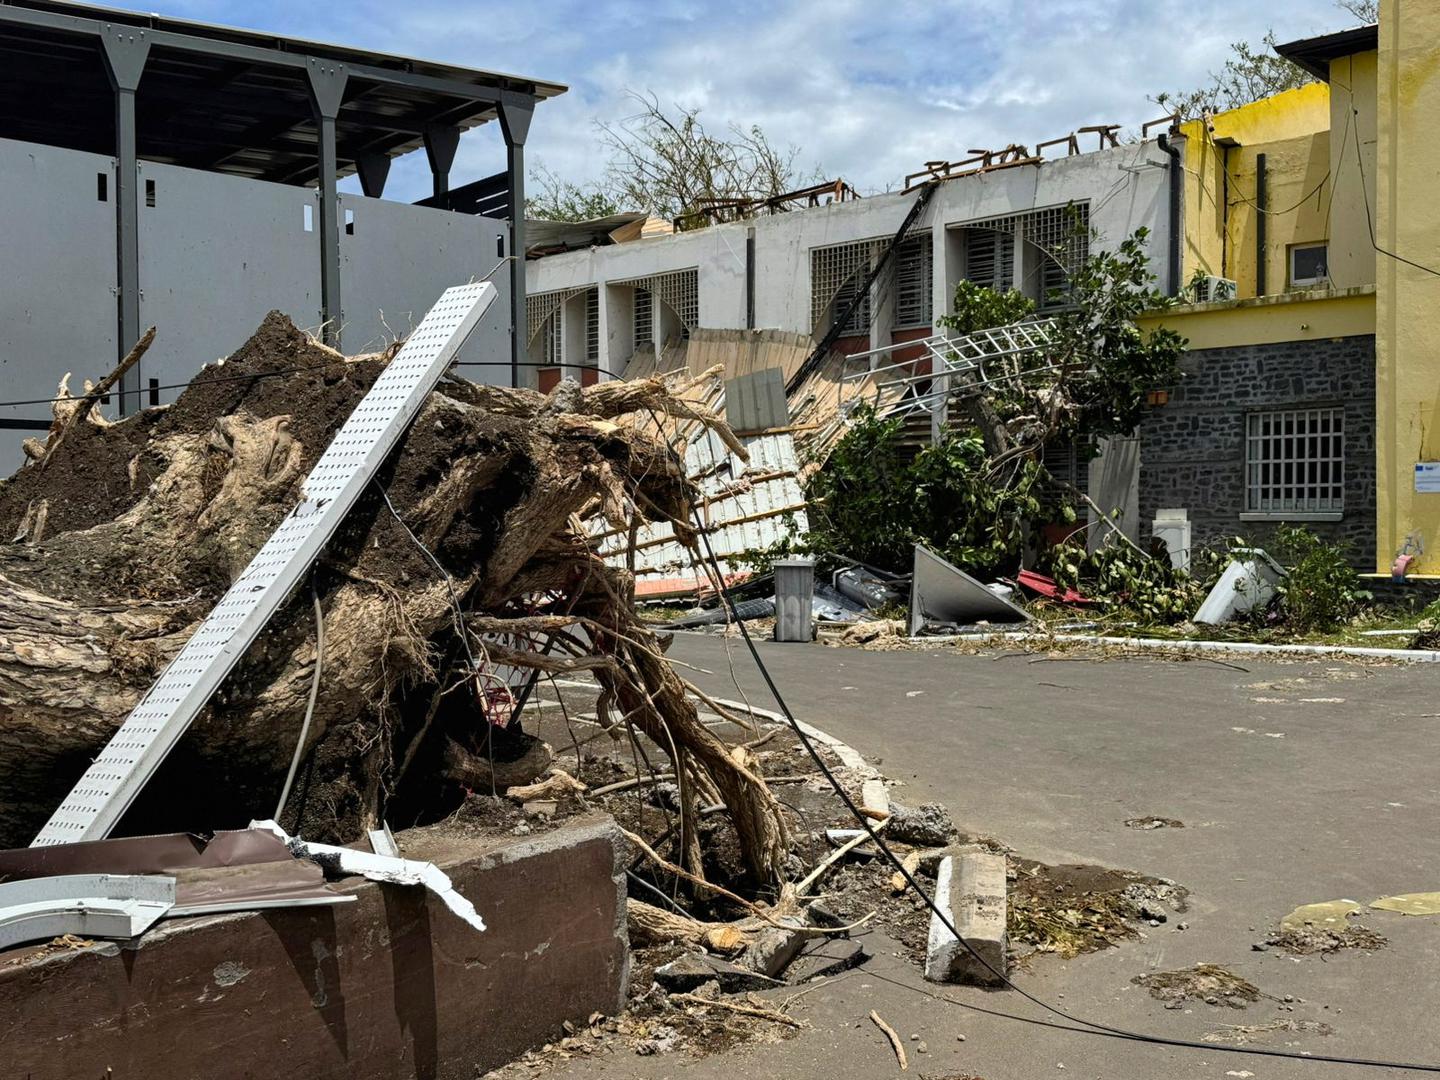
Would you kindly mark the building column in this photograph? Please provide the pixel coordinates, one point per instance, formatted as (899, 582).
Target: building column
(326, 80)
(441, 142)
(515, 113)
(125, 50)
(372, 169)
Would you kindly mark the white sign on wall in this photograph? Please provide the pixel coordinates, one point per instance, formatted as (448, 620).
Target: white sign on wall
(1427, 477)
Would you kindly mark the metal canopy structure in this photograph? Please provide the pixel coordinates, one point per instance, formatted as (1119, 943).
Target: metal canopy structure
(233, 101)
(139, 86)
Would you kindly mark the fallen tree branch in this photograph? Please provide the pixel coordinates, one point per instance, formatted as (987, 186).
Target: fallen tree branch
(744, 1010)
(895, 1043)
(834, 857)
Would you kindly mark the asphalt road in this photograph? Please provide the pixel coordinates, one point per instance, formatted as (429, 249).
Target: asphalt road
(1296, 783)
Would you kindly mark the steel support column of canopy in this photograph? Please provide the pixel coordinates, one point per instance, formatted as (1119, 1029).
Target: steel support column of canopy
(125, 50)
(515, 113)
(326, 80)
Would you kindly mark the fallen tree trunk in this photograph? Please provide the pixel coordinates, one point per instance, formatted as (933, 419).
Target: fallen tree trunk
(149, 519)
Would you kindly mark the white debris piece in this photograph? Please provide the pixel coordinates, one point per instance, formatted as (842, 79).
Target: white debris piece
(384, 868)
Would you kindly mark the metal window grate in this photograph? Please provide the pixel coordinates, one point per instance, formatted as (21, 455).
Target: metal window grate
(914, 273)
(679, 290)
(990, 259)
(541, 307)
(592, 327)
(1295, 461)
(644, 317)
(836, 274)
(555, 339)
(1062, 232)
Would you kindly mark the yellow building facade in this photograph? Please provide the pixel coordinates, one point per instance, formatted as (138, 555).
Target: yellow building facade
(1311, 219)
(1406, 218)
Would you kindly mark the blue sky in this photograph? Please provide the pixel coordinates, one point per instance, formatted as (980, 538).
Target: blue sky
(865, 90)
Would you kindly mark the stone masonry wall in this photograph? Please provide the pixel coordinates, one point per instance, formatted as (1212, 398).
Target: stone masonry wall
(1193, 448)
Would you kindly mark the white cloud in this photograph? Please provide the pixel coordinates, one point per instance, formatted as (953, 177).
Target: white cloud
(866, 90)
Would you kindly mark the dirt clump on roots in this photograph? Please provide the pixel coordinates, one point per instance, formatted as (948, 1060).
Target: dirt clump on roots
(470, 554)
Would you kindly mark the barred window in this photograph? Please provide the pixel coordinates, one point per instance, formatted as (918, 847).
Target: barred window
(990, 259)
(592, 327)
(678, 290)
(554, 330)
(1054, 285)
(644, 316)
(836, 276)
(914, 270)
(1295, 461)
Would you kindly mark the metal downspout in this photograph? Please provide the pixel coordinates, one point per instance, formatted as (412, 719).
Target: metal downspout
(1177, 196)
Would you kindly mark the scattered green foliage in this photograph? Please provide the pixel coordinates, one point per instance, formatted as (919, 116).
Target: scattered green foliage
(975, 307)
(557, 199)
(1320, 589)
(1145, 588)
(869, 503)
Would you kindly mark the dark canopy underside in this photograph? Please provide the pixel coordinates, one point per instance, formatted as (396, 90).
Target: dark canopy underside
(200, 108)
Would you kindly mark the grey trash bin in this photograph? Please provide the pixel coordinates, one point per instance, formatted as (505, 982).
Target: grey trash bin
(794, 597)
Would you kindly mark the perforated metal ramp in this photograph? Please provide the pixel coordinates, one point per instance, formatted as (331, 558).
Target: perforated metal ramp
(156, 724)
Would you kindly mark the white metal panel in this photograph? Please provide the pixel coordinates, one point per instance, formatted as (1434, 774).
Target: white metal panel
(57, 278)
(217, 253)
(396, 257)
(360, 446)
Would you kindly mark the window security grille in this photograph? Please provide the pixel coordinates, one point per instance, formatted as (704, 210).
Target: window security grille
(678, 290)
(836, 275)
(592, 327)
(555, 339)
(539, 307)
(1054, 285)
(990, 259)
(644, 316)
(1295, 461)
(914, 294)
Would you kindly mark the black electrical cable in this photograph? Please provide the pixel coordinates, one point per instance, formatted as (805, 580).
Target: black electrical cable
(255, 376)
(877, 839)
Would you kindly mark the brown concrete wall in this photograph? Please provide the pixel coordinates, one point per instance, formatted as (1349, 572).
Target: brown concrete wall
(390, 986)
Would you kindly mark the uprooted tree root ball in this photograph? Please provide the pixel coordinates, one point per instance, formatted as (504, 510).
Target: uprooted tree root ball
(128, 532)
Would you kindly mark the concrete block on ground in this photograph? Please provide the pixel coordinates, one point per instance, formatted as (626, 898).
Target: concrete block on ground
(774, 948)
(389, 987)
(823, 957)
(696, 969)
(875, 796)
(971, 890)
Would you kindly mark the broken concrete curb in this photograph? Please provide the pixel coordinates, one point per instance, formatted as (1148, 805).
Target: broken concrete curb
(971, 890)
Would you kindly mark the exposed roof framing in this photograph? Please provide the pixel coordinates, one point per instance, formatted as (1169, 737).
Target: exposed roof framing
(227, 100)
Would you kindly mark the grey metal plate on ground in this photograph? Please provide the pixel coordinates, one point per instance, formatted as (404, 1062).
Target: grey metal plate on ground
(943, 593)
(332, 488)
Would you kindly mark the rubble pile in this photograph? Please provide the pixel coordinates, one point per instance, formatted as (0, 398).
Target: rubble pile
(466, 561)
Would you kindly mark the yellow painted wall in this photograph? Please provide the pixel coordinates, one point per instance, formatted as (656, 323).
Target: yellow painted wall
(1313, 315)
(1293, 130)
(1353, 117)
(1407, 208)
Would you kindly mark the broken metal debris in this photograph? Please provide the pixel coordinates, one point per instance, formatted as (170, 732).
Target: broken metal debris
(120, 906)
(242, 870)
(944, 595)
(384, 868)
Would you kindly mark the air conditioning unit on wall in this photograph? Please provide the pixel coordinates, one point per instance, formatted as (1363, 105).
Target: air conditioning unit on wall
(1211, 289)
